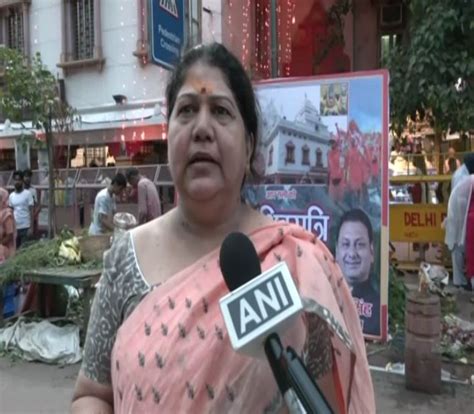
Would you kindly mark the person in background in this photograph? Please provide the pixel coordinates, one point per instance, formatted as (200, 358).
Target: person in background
(27, 176)
(7, 228)
(156, 340)
(467, 168)
(457, 224)
(105, 206)
(149, 207)
(396, 151)
(22, 203)
(451, 163)
(355, 255)
(470, 235)
(420, 191)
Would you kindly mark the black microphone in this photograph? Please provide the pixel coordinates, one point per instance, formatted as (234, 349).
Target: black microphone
(238, 260)
(249, 307)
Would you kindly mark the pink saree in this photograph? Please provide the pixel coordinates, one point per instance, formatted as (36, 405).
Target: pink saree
(173, 354)
(7, 227)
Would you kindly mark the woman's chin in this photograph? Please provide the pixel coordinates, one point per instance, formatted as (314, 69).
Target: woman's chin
(203, 189)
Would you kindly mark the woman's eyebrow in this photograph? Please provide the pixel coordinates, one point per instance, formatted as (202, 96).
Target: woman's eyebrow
(213, 97)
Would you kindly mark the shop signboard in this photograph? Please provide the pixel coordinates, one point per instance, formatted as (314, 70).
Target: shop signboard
(324, 158)
(417, 223)
(167, 31)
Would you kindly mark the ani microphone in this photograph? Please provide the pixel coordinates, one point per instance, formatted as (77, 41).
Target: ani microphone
(258, 307)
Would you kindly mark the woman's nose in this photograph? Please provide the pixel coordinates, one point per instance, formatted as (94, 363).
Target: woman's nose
(203, 130)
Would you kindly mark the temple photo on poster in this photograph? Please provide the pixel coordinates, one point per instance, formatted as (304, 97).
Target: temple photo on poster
(295, 138)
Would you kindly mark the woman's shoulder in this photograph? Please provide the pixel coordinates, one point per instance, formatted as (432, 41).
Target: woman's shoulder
(156, 230)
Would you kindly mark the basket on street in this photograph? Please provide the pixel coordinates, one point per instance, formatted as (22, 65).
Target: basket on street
(93, 247)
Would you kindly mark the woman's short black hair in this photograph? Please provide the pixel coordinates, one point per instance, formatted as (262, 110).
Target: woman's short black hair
(359, 216)
(218, 56)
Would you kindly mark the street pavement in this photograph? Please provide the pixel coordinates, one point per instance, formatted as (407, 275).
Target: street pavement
(38, 388)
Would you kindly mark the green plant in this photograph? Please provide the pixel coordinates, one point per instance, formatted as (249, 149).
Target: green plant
(396, 301)
(39, 254)
(434, 70)
(30, 93)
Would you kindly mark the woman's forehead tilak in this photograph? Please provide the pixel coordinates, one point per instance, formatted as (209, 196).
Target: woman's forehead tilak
(201, 86)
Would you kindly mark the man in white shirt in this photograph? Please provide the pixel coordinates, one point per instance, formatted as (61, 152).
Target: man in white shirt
(22, 203)
(105, 207)
(27, 176)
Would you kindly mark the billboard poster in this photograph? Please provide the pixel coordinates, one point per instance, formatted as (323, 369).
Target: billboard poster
(324, 159)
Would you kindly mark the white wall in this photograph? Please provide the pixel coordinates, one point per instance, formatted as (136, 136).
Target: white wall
(45, 31)
(212, 22)
(122, 73)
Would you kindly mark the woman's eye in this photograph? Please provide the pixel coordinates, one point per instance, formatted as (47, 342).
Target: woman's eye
(221, 111)
(186, 110)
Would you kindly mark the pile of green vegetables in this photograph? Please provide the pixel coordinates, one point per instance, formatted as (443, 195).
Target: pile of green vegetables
(39, 254)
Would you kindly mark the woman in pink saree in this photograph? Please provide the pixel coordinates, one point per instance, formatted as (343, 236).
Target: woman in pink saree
(7, 228)
(156, 340)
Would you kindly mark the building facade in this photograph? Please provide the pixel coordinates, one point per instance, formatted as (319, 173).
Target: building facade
(99, 50)
(314, 37)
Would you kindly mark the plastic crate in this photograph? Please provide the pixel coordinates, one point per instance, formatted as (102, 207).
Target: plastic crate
(9, 294)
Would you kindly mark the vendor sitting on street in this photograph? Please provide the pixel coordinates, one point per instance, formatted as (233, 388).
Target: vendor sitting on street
(149, 207)
(105, 207)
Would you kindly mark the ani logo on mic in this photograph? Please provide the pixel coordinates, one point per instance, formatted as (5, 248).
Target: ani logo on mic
(259, 307)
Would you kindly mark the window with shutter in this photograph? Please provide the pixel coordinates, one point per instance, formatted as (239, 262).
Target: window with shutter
(81, 37)
(14, 25)
(83, 29)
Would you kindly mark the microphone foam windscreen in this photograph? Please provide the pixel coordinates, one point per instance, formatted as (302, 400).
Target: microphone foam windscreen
(238, 260)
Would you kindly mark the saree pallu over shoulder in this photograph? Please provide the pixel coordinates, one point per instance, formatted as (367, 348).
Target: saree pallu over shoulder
(173, 354)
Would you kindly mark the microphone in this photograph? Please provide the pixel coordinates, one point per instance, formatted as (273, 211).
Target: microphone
(258, 306)
(258, 303)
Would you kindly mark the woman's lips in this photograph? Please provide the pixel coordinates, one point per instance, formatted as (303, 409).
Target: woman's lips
(201, 158)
